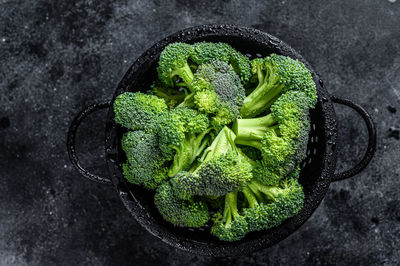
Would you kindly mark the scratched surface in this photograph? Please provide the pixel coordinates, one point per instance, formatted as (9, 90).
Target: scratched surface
(59, 56)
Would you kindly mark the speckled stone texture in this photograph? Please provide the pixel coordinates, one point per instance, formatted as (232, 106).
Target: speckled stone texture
(59, 56)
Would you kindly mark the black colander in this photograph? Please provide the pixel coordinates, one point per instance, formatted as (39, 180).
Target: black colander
(317, 169)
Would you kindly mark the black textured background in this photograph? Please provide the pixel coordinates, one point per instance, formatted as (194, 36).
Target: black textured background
(58, 56)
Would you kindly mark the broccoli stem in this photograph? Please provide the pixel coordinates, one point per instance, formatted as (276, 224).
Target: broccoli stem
(250, 131)
(187, 153)
(269, 191)
(256, 192)
(253, 128)
(262, 97)
(188, 101)
(185, 73)
(222, 143)
(260, 77)
(251, 199)
(230, 210)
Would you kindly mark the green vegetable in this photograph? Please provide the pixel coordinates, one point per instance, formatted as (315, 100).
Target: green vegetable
(206, 52)
(138, 111)
(269, 206)
(171, 96)
(174, 64)
(183, 131)
(221, 170)
(274, 75)
(281, 136)
(204, 147)
(230, 225)
(184, 213)
(146, 162)
(218, 92)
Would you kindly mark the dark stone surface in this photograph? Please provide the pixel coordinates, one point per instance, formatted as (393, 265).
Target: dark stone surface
(59, 56)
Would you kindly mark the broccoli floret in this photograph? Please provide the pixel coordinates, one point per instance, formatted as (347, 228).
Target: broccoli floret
(146, 163)
(218, 92)
(230, 225)
(277, 74)
(173, 64)
(183, 213)
(138, 111)
(251, 152)
(171, 96)
(206, 52)
(269, 206)
(183, 131)
(281, 136)
(295, 172)
(222, 170)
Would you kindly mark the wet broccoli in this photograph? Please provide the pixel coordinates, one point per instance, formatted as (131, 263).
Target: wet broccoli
(277, 74)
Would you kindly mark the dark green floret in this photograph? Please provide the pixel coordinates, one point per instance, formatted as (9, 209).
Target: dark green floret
(206, 52)
(219, 135)
(183, 213)
(218, 92)
(138, 111)
(269, 206)
(145, 162)
(184, 132)
(230, 225)
(281, 136)
(222, 169)
(171, 96)
(251, 152)
(173, 64)
(277, 74)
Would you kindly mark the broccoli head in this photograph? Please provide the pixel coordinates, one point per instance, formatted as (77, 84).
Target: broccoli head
(171, 96)
(269, 206)
(218, 92)
(183, 213)
(146, 163)
(173, 64)
(281, 136)
(206, 52)
(230, 225)
(222, 169)
(277, 74)
(183, 132)
(138, 111)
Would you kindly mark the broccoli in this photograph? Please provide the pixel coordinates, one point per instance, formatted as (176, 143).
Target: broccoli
(206, 52)
(230, 225)
(172, 96)
(276, 74)
(138, 111)
(295, 172)
(251, 152)
(218, 92)
(173, 64)
(281, 136)
(146, 163)
(218, 131)
(183, 213)
(185, 132)
(269, 206)
(221, 170)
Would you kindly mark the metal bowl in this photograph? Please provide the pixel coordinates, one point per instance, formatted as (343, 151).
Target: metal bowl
(317, 169)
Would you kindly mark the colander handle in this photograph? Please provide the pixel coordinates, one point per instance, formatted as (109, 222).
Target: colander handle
(371, 139)
(71, 142)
